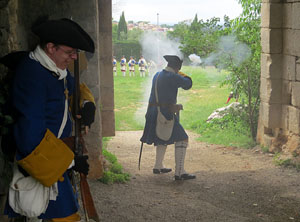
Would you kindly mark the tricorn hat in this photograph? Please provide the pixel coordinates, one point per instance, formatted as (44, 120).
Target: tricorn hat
(173, 61)
(66, 32)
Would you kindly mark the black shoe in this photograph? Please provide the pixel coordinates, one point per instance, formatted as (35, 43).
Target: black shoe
(163, 170)
(185, 176)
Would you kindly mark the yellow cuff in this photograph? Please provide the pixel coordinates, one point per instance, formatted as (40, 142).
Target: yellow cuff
(182, 74)
(49, 160)
(85, 94)
(71, 218)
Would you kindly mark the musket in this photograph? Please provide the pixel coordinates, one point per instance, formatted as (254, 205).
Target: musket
(87, 200)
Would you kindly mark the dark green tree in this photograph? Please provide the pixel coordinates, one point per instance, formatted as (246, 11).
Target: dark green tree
(122, 28)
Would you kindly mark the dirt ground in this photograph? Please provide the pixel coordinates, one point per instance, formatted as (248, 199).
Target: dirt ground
(232, 185)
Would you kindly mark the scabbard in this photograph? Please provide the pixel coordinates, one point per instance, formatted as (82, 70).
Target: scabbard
(140, 157)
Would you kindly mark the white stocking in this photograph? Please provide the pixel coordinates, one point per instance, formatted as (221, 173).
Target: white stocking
(180, 151)
(160, 154)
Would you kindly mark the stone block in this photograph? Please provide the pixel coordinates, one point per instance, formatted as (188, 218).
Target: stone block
(294, 119)
(296, 42)
(108, 123)
(271, 40)
(285, 117)
(270, 115)
(298, 70)
(271, 15)
(270, 90)
(295, 94)
(295, 15)
(271, 66)
(288, 44)
(289, 67)
(271, 1)
(286, 92)
(107, 97)
(287, 15)
(268, 140)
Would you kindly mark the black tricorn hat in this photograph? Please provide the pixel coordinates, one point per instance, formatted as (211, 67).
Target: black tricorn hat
(65, 32)
(173, 61)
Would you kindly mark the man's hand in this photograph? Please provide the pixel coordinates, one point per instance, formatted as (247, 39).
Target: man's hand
(81, 164)
(88, 114)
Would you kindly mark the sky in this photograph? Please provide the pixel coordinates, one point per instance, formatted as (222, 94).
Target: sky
(173, 11)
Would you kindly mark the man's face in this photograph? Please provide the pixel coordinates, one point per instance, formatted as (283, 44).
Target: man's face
(61, 55)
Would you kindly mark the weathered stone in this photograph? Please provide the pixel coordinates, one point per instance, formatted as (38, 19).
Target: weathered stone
(286, 92)
(293, 144)
(296, 40)
(108, 119)
(298, 70)
(271, 15)
(287, 18)
(285, 117)
(295, 15)
(288, 41)
(270, 115)
(278, 143)
(270, 90)
(271, 66)
(268, 140)
(271, 1)
(294, 119)
(295, 94)
(289, 67)
(271, 40)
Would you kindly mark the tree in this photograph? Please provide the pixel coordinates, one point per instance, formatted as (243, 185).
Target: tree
(122, 28)
(114, 32)
(201, 37)
(244, 77)
(134, 34)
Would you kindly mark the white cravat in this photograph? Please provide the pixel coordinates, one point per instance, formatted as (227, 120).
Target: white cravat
(169, 69)
(39, 55)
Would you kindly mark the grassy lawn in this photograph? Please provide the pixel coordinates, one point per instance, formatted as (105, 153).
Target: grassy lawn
(206, 95)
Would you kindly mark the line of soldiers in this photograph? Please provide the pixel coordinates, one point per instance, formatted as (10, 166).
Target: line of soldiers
(143, 66)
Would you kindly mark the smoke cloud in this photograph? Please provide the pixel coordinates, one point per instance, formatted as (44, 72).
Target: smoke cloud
(154, 46)
(195, 59)
(229, 47)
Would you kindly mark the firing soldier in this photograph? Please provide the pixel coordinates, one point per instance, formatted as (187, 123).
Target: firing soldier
(163, 97)
(142, 66)
(131, 65)
(123, 65)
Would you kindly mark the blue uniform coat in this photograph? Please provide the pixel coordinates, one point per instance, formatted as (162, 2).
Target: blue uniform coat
(39, 98)
(167, 89)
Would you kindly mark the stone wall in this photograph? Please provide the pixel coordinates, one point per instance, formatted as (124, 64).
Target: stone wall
(279, 118)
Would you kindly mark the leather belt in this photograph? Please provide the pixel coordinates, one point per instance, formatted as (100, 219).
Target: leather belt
(160, 104)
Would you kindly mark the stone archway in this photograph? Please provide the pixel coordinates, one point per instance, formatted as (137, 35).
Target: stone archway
(279, 117)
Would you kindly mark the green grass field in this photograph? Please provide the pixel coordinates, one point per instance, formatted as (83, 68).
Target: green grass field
(206, 95)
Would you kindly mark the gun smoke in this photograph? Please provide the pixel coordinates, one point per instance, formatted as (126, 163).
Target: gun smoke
(195, 59)
(154, 46)
(228, 48)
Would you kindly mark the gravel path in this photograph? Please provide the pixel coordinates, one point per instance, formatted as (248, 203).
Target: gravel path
(232, 185)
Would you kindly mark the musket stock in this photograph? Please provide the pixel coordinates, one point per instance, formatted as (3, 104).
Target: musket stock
(87, 200)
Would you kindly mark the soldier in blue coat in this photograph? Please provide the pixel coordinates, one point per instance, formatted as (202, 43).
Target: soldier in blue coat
(41, 91)
(169, 80)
